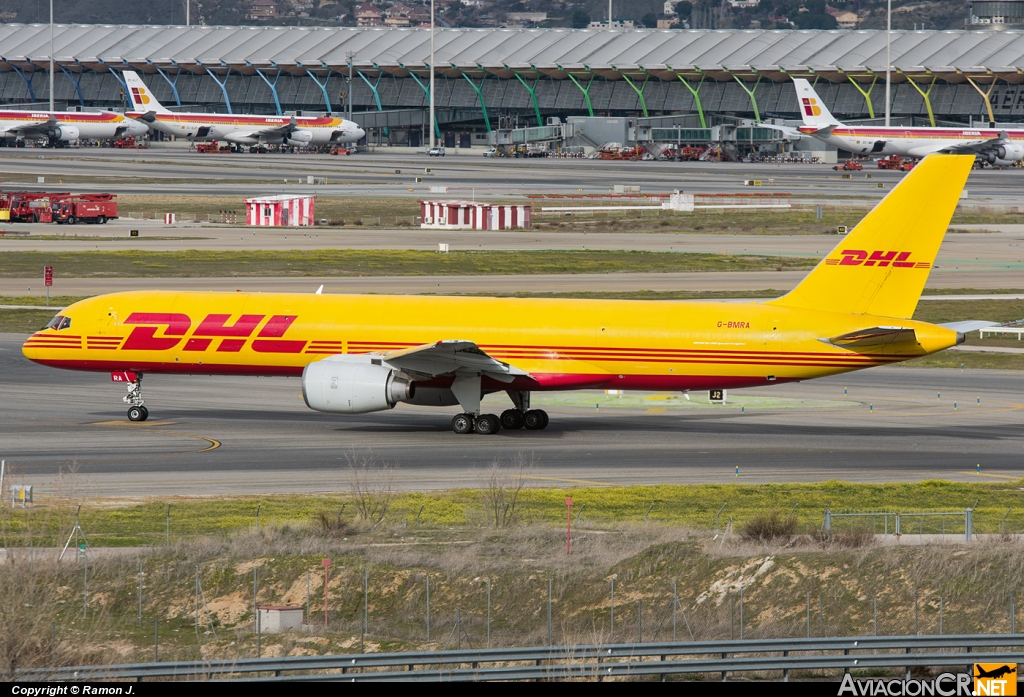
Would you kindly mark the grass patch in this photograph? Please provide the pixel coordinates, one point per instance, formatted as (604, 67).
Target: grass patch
(995, 310)
(968, 360)
(692, 506)
(340, 262)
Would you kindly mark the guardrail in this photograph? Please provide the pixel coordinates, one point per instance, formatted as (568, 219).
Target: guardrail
(590, 661)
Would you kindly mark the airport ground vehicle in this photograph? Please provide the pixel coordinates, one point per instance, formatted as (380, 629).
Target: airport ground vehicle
(30, 206)
(849, 166)
(85, 208)
(364, 353)
(436, 152)
(895, 162)
(491, 152)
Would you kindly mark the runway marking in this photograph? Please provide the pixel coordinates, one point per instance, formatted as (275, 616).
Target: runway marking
(997, 476)
(655, 410)
(213, 443)
(572, 481)
(130, 424)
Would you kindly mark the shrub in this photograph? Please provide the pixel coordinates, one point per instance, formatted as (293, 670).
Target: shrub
(770, 526)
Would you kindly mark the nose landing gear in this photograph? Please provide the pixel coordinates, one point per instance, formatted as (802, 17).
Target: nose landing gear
(136, 411)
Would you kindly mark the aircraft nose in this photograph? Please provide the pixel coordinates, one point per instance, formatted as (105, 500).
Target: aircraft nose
(360, 133)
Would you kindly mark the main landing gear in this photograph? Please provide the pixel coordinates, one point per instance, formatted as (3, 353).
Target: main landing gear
(512, 419)
(136, 410)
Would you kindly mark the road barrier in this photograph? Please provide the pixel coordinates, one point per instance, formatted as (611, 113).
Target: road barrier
(590, 661)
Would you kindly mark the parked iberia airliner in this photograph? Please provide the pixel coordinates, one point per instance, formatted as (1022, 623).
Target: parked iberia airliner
(996, 147)
(365, 353)
(240, 129)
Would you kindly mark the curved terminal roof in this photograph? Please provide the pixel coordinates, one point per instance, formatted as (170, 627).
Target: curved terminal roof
(721, 54)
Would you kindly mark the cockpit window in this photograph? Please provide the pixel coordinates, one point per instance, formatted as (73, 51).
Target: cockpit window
(59, 322)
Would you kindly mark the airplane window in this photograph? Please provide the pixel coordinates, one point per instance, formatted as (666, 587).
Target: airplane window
(58, 323)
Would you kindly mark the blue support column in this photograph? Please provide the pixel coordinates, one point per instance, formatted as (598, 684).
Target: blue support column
(373, 88)
(27, 80)
(174, 84)
(76, 83)
(323, 87)
(223, 87)
(426, 91)
(273, 88)
(124, 87)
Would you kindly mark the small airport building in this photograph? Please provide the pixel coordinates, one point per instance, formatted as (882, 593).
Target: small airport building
(473, 215)
(281, 210)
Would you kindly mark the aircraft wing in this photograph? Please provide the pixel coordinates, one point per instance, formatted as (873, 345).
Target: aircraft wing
(873, 337)
(448, 357)
(276, 131)
(977, 147)
(36, 129)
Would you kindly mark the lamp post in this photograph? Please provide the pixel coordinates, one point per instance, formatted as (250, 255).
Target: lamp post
(888, 58)
(433, 142)
(51, 55)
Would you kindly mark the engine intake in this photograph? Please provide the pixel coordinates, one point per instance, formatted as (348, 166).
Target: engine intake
(68, 133)
(353, 385)
(299, 137)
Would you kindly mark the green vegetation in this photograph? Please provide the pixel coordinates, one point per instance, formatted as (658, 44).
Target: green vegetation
(691, 506)
(346, 262)
(995, 310)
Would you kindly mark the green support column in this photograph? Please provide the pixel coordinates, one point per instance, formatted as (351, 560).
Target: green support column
(866, 95)
(480, 95)
(533, 96)
(639, 91)
(925, 95)
(586, 92)
(696, 97)
(750, 93)
(426, 91)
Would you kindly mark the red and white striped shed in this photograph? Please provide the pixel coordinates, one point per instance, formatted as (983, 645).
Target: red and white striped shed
(280, 210)
(473, 215)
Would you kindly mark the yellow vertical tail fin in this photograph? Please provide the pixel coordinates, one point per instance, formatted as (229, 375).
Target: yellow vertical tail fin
(881, 267)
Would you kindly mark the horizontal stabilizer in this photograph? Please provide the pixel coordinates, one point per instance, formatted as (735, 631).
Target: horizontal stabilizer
(873, 337)
(969, 325)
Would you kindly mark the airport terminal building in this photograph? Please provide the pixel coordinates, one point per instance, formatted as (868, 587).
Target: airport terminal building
(533, 74)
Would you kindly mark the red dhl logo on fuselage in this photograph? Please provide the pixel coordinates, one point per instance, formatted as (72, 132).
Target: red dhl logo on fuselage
(861, 257)
(230, 338)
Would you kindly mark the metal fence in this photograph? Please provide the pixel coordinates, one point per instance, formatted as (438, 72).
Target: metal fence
(773, 658)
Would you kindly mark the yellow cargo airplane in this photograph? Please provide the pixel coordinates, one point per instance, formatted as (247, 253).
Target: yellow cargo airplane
(365, 353)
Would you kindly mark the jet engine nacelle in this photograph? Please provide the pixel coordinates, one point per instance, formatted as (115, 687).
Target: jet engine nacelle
(1013, 152)
(299, 138)
(68, 133)
(353, 384)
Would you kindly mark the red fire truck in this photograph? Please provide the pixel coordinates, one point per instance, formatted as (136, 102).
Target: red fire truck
(31, 206)
(87, 208)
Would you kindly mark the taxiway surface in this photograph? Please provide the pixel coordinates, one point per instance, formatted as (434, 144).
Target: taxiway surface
(217, 435)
